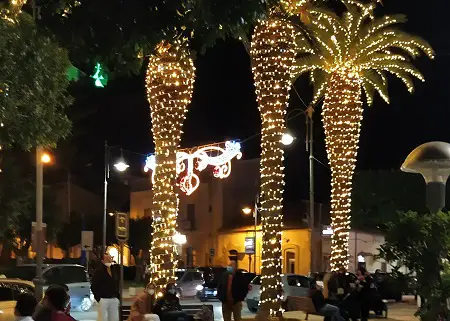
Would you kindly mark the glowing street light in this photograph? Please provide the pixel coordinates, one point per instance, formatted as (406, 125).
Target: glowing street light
(287, 139)
(121, 166)
(179, 239)
(247, 210)
(46, 158)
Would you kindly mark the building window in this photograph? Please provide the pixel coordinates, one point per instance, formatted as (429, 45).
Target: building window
(191, 215)
(383, 267)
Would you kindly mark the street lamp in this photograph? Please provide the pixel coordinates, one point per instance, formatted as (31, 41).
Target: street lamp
(41, 159)
(121, 166)
(432, 161)
(246, 211)
(287, 139)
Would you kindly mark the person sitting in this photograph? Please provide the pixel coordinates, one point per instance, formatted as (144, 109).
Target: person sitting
(25, 305)
(41, 310)
(168, 307)
(143, 306)
(322, 308)
(55, 305)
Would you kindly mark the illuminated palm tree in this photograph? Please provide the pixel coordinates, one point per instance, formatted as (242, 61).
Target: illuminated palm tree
(273, 51)
(345, 56)
(170, 80)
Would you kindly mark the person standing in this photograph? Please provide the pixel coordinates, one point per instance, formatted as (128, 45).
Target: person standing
(365, 283)
(25, 305)
(105, 288)
(232, 290)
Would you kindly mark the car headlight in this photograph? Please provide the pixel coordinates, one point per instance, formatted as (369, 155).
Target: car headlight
(199, 287)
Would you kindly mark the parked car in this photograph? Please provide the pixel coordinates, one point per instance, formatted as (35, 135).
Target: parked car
(208, 290)
(9, 290)
(188, 280)
(72, 275)
(293, 285)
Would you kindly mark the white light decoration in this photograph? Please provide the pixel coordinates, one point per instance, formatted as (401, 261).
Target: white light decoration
(198, 160)
(273, 52)
(346, 56)
(170, 83)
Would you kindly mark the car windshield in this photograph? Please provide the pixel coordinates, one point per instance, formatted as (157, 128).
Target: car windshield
(22, 272)
(256, 280)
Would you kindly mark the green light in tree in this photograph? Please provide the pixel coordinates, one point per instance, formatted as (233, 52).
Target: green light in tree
(100, 78)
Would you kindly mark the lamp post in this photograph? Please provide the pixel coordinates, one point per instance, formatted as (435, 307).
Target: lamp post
(287, 139)
(246, 211)
(432, 161)
(121, 166)
(41, 159)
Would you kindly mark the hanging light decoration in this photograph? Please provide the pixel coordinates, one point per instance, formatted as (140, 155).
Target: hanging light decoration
(273, 51)
(169, 82)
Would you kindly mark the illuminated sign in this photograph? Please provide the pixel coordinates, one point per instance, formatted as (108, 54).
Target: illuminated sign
(249, 245)
(198, 160)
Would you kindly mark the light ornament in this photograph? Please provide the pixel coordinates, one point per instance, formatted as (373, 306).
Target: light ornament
(273, 51)
(12, 10)
(210, 155)
(350, 55)
(170, 80)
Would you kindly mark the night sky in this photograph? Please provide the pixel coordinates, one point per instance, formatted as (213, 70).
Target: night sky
(224, 107)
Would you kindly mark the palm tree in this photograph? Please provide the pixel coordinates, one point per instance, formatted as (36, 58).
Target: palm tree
(345, 56)
(170, 80)
(273, 51)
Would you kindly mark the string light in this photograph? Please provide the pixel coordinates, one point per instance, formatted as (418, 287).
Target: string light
(349, 55)
(13, 9)
(273, 51)
(169, 82)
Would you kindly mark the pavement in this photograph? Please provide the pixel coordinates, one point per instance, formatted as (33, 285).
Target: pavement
(397, 311)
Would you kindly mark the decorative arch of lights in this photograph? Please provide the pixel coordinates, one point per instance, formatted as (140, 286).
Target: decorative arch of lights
(197, 159)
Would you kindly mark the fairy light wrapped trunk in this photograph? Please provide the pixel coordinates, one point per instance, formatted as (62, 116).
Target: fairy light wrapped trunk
(342, 115)
(273, 53)
(348, 55)
(169, 82)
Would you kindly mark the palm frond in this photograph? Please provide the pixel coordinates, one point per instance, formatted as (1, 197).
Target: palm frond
(369, 91)
(405, 66)
(403, 76)
(378, 83)
(319, 79)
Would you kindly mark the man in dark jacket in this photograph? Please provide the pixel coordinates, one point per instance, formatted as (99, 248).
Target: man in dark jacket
(106, 290)
(232, 290)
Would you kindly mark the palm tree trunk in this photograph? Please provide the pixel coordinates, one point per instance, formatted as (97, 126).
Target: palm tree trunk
(273, 56)
(342, 115)
(170, 79)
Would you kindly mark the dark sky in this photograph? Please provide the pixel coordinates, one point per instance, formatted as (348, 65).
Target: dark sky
(224, 106)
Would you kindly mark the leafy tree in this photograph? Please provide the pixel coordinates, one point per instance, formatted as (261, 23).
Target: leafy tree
(121, 34)
(378, 196)
(33, 86)
(424, 248)
(70, 233)
(17, 206)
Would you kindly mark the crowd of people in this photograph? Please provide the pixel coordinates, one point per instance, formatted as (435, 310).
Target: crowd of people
(55, 306)
(343, 298)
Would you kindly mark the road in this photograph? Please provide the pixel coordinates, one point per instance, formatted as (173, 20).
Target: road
(92, 315)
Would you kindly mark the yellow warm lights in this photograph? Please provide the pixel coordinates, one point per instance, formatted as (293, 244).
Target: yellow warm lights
(273, 51)
(169, 82)
(349, 55)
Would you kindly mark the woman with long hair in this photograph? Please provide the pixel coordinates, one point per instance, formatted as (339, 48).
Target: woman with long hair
(142, 308)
